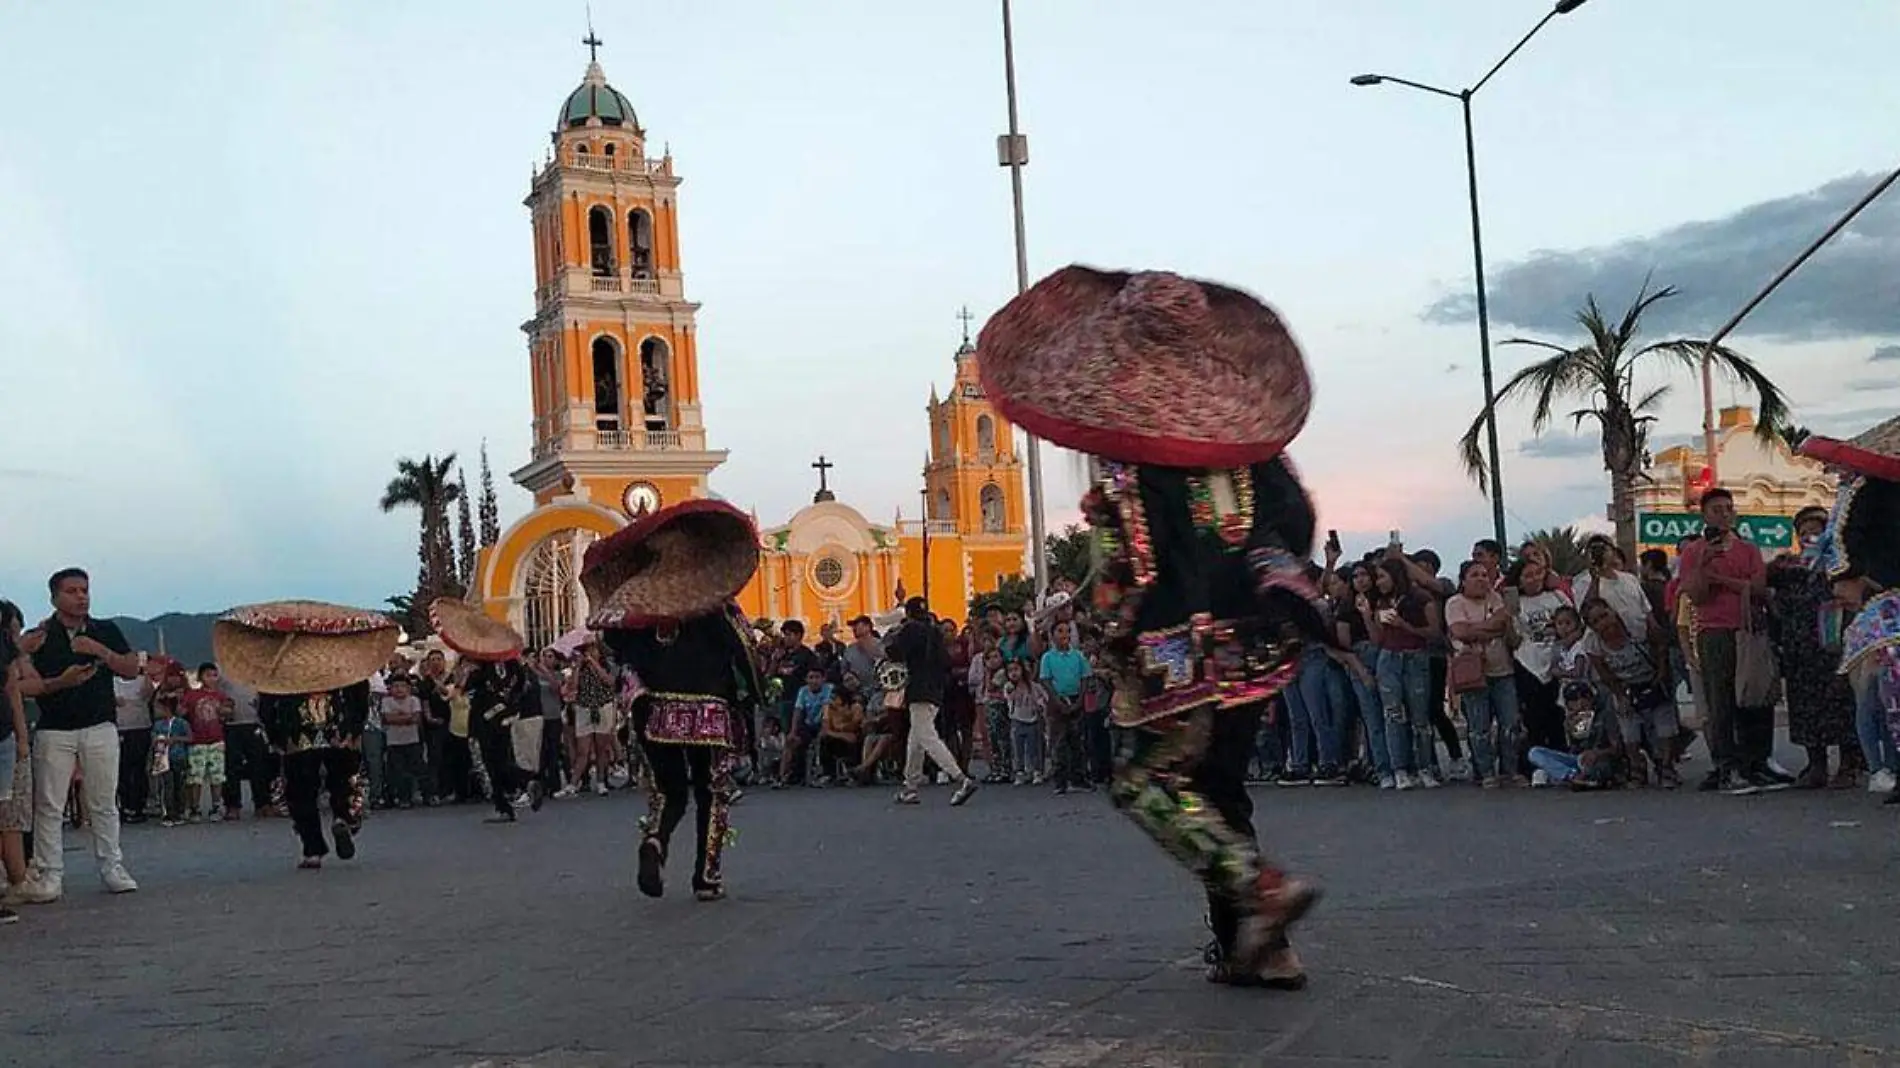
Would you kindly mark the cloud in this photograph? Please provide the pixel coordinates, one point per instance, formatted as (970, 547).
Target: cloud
(1873, 385)
(1559, 447)
(1885, 352)
(1845, 291)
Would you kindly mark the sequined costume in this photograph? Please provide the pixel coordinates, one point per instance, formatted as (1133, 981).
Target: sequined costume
(698, 686)
(320, 736)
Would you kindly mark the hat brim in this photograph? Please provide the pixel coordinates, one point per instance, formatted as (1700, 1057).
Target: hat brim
(1845, 454)
(1146, 368)
(677, 563)
(473, 633)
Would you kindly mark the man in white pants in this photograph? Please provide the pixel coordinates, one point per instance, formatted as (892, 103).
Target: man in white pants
(918, 645)
(73, 660)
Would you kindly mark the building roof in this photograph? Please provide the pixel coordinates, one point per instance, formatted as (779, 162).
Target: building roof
(595, 99)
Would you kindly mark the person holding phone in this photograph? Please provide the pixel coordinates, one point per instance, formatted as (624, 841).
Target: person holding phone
(70, 675)
(1403, 624)
(1719, 574)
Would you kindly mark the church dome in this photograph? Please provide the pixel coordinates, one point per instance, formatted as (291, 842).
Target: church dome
(595, 99)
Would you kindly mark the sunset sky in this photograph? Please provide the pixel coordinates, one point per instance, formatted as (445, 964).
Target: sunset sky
(251, 253)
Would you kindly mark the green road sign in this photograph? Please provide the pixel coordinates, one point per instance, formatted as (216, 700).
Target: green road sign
(1667, 528)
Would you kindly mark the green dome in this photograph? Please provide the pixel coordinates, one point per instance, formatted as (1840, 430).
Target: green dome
(595, 99)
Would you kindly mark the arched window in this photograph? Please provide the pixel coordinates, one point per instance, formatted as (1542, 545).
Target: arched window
(655, 360)
(608, 149)
(991, 499)
(600, 240)
(606, 384)
(551, 597)
(640, 243)
(985, 435)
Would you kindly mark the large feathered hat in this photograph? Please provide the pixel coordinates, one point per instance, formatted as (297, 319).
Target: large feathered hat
(676, 563)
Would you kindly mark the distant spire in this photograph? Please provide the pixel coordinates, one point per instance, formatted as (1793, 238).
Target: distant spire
(592, 41)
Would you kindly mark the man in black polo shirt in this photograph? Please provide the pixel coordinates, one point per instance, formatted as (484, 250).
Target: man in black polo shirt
(919, 645)
(73, 661)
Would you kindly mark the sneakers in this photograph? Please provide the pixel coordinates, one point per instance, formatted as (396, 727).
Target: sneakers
(118, 880)
(1388, 782)
(566, 792)
(1882, 782)
(965, 791)
(1405, 780)
(1540, 777)
(1428, 780)
(1460, 770)
(652, 877)
(1292, 777)
(310, 864)
(538, 792)
(1329, 776)
(7, 916)
(345, 839)
(908, 797)
(1715, 781)
(39, 890)
(600, 789)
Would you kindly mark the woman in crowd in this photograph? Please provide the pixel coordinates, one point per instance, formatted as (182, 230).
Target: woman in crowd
(1806, 626)
(16, 764)
(1634, 672)
(1483, 675)
(1402, 623)
(596, 713)
(1538, 698)
(1345, 590)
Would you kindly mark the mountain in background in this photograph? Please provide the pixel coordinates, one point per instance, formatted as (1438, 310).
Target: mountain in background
(187, 637)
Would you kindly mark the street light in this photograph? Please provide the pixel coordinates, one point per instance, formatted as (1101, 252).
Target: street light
(1562, 7)
(1012, 151)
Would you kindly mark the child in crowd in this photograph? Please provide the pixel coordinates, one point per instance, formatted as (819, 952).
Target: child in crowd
(206, 709)
(170, 761)
(841, 738)
(1026, 700)
(771, 749)
(402, 729)
(1594, 760)
(986, 686)
(808, 718)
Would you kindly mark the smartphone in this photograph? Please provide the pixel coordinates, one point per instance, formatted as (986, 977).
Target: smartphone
(1332, 538)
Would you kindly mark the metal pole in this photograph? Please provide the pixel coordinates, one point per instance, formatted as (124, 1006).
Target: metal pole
(1038, 546)
(1484, 328)
(1708, 358)
(926, 526)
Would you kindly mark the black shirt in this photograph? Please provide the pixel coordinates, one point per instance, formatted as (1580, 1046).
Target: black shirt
(90, 703)
(919, 644)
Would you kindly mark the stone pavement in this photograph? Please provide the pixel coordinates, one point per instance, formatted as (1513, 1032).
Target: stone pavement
(1462, 928)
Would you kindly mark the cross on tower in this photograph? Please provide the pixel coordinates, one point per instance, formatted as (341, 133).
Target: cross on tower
(966, 317)
(823, 467)
(592, 42)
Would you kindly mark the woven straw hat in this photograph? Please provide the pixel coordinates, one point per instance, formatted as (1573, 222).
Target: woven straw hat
(676, 563)
(473, 633)
(1875, 453)
(1147, 368)
(292, 647)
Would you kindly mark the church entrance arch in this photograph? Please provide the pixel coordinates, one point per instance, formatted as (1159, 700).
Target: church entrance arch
(552, 600)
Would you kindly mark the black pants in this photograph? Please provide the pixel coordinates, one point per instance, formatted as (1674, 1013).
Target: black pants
(676, 772)
(247, 759)
(553, 754)
(505, 780)
(135, 783)
(1441, 722)
(1100, 747)
(837, 757)
(1068, 762)
(1540, 706)
(451, 773)
(407, 772)
(305, 774)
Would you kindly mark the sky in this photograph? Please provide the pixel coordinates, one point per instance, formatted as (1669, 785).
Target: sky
(250, 254)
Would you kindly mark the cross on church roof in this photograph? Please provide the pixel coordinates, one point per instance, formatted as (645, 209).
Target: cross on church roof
(592, 42)
(966, 317)
(823, 467)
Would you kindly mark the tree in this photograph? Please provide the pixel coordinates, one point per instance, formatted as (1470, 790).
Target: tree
(490, 511)
(1564, 546)
(1601, 373)
(1071, 554)
(424, 485)
(1792, 436)
(464, 534)
(1014, 594)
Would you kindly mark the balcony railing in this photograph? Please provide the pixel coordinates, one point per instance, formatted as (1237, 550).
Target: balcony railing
(589, 161)
(619, 283)
(913, 527)
(637, 439)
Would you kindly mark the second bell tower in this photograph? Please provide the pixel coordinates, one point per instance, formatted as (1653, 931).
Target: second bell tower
(612, 347)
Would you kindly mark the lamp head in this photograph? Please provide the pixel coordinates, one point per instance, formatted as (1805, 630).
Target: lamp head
(1367, 79)
(1565, 7)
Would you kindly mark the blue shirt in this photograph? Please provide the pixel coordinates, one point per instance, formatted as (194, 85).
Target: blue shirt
(1064, 670)
(810, 707)
(179, 731)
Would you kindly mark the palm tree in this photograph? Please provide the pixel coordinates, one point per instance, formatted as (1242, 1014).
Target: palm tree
(1601, 374)
(425, 485)
(1564, 546)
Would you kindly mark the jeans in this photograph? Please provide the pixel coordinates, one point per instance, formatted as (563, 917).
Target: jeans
(1716, 650)
(1404, 678)
(1312, 710)
(375, 764)
(924, 742)
(248, 759)
(1067, 761)
(135, 785)
(1870, 721)
(95, 752)
(405, 768)
(1365, 697)
(1560, 766)
(1495, 704)
(1026, 744)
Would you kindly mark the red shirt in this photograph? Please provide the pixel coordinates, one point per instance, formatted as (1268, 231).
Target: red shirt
(1721, 608)
(203, 710)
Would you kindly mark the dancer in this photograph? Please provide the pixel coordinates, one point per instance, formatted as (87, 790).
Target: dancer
(310, 664)
(504, 702)
(1183, 393)
(1860, 554)
(661, 591)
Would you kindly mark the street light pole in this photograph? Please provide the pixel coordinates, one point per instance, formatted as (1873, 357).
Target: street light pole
(1012, 151)
(1561, 7)
(1484, 329)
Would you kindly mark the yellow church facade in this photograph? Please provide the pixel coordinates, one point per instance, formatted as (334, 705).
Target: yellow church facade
(619, 431)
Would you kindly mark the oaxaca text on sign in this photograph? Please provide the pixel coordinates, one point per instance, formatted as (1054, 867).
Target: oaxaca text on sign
(1667, 528)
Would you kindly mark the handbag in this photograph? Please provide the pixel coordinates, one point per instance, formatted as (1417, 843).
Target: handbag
(1464, 673)
(1757, 676)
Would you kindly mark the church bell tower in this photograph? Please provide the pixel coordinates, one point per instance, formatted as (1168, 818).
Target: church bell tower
(612, 347)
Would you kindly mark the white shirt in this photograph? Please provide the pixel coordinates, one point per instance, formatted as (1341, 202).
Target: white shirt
(1538, 651)
(132, 703)
(1624, 592)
